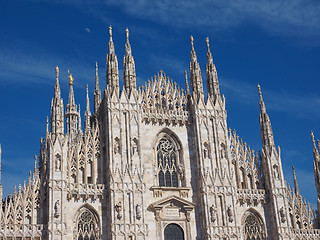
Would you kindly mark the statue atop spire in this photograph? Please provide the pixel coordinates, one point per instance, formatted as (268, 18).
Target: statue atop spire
(195, 75)
(87, 114)
(97, 92)
(212, 77)
(72, 114)
(112, 66)
(187, 84)
(57, 118)
(296, 187)
(129, 69)
(265, 123)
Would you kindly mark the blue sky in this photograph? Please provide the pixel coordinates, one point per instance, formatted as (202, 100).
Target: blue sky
(273, 43)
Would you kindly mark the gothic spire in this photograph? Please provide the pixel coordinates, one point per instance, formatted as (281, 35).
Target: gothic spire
(97, 92)
(71, 109)
(265, 124)
(112, 65)
(0, 175)
(129, 70)
(187, 84)
(212, 78)
(57, 121)
(296, 187)
(195, 75)
(87, 114)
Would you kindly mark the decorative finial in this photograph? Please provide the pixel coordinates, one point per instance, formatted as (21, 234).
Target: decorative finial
(207, 41)
(191, 38)
(70, 78)
(110, 32)
(57, 72)
(96, 65)
(47, 129)
(127, 34)
(87, 90)
(260, 94)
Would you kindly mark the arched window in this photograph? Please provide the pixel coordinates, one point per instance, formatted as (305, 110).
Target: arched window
(167, 162)
(253, 227)
(87, 226)
(173, 232)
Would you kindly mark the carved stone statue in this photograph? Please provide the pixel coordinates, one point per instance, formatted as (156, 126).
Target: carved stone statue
(282, 215)
(230, 214)
(213, 212)
(118, 209)
(116, 146)
(58, 163)
(57, 209)
(138, 211)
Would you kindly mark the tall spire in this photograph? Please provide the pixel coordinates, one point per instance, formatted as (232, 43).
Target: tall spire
(187, 84)
(195, 75)
(129, 69)
(71, 109)
(296, 187)
(265, 124)
(316, 169)
(57, 121)
(97, 92)
(212, 77)
(87, 114)
(112, 65)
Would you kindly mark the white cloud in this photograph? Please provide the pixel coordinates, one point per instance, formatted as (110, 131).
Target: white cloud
(302, 106)
(87, 30)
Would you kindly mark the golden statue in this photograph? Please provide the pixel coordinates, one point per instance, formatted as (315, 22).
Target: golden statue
(70, 78)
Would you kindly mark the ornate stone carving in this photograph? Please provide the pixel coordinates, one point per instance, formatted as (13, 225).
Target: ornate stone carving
(116, 146)
(230, 214)
(57, 163)
(118, 209)
(138, 211)
(213, 212)
(282, 215)
(57, 209)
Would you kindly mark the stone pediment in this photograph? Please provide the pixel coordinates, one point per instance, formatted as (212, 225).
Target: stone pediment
(173, 201)
(172, 207)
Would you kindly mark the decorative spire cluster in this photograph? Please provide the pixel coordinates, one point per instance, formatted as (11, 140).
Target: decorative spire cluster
(129, 69)
(112, 66)
(72, 114)
(195, 76)
(265, 124)
(57, 119)
(212, 77)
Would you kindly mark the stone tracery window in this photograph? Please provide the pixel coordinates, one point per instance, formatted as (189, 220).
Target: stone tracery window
(253, 227)
(87, 227)
(167, 163)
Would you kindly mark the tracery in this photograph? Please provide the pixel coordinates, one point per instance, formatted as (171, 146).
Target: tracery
(167, 158)
(87, 226)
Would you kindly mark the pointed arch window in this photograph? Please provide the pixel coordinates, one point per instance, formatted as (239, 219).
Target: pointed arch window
(87, 226)
(253, 227)
(168, 163)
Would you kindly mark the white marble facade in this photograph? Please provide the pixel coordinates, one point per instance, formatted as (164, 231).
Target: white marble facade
(155, 162)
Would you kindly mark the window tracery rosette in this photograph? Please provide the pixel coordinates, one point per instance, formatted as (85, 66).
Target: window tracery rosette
(87, 226)
(168, 166)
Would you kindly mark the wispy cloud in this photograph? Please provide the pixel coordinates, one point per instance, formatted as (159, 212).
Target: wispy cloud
(288, 17)
(24, 62)
(302, 106)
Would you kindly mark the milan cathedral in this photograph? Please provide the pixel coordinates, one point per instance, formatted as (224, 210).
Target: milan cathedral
(155, 162)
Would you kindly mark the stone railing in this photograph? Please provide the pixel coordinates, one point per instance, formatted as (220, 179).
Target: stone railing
(251, 196)
(159, 192)
(33, 231)
(162, 115)
(307, 234)
(85, 191)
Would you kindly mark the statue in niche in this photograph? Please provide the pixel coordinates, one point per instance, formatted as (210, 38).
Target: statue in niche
(118, 209)
(205, 151)
(276, 172)
(181, 171)
(282, 215)
(213, 213)
(116, 146)
(222, 151)
(230, 214)
(134, 146)
(56, 209)
(58, 163)
(138, 211)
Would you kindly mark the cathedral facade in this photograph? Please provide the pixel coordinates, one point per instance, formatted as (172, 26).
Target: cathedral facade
(155, 163)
